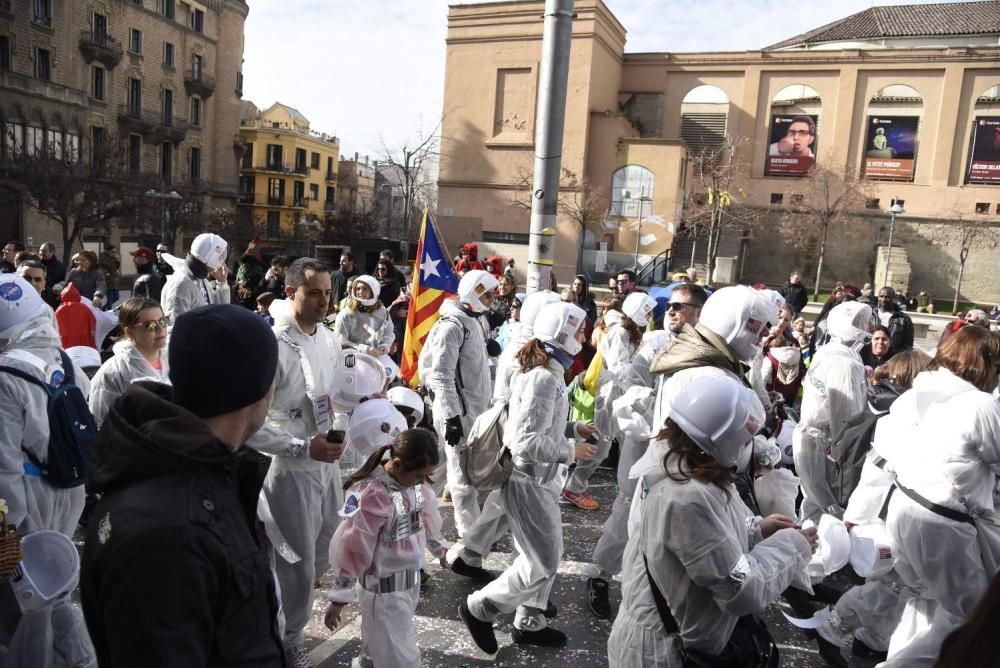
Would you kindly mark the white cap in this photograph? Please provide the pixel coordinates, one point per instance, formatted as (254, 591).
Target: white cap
(872, 551)
(559, 324)
(373, 425)
(637, 307)
(833, 549)
(740, 315)
(85, 357)
(850, 322)
(358, 377)
(373, 284)
(533, 305)
(391, 370)
(49, 569)
(720, 415)
(19, 301)
(473, 286)
(210, 249)
(404, 397)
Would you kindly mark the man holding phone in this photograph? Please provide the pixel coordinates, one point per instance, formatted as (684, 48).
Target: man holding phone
(302, 490)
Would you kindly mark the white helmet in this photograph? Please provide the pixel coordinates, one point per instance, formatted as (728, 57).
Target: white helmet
(533, 305)
(19, 301)
(358, 377)
(558, 326)
(391, 370)
(638, 306)
(612, 318)
(720, 415)
(473, 286)
(850, 322)
(404, 397)
(776, 298)
(210, 249)
(741, 316)
(50, 568)
(373, 284)
(374, 424)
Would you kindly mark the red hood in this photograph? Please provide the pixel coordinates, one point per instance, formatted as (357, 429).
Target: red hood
(472, 250)
(70, 294)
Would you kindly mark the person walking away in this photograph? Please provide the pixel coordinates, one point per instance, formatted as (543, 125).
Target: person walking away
(139, 355)
(55, 271)
(536, 436)
(454, 367)
(149, 281)
(390, 518)
(174, 549)
(895, 320)
(694, 588)
(796, 295)
(364, 323)
(77, 324)
(110, 263)
(188, 287)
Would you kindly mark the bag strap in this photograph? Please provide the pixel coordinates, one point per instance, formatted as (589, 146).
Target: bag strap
(669, 623)
(937, 509)
(459, 383)
(69, 373)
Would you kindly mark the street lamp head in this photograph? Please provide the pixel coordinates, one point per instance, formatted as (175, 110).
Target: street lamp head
(173, 194)
(895, 209)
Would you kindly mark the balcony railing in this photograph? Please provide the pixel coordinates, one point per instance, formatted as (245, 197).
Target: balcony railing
(196, 82)
(42, 20)
(331, 176)
(328, 205)
(45, 89)
(101, 47)
(278, 168)
(154, 127)
(258, 199)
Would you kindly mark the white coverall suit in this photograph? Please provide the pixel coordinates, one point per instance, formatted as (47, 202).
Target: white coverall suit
(536, 436)
(115, 375)
(455, 368)
(378, 548)
(365, 331)
(303, 494)
(833, 391)
(54, 636)
(183, 292)
(942, 438)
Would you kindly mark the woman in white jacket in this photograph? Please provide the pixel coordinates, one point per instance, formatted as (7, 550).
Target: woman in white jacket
(538, 436)
(699, 565)
(942, 439)
(364, 323)
(142, 353)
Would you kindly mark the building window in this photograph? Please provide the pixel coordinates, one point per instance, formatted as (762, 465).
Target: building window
(871, 203)
(276, 192)
(13, 139)
(314, 191)
(97, 141)
(137, 3)
(54, 144)
(5, 53)
(42, 12)
(195, 111)
(299, 193)
(134, 154)
(314, 160)
(631, 190)
(34, 140)
(239, 83)
(168, 54)
(198, 20)
(246, 189)
(331, 197)
(99, 25)
(194, 166)
(300, 159)
(777, 198)
(274, 157)
(505, 237)
(168, 106)
(135, 41)
(135, 97)
(97, 83)
(166, 161)
(273, 224)
(169, 8)
(72, 147)
(248, 157)
(43, 64)
(982, 207)
(900, 202)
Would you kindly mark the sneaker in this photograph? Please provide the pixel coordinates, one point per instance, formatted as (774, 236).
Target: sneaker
(481, 632)
(863, 651)
(475, 572)
(446, 497)
(581, 500)
(296, 657)
(597, 592)
(547, 637)
(425, 578)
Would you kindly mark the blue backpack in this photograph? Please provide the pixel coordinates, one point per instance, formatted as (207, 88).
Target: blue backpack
(72, 430)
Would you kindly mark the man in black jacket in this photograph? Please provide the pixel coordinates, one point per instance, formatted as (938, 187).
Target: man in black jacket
(55, 271)
(796, 295)
(340, 279)
(899, 324)
(176, 565)
(149, 281)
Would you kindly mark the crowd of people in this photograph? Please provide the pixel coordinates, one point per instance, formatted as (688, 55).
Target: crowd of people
(245, 433)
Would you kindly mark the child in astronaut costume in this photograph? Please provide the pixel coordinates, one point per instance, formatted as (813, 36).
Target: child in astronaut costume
(390, 516)
(536, 435)
(364, 324)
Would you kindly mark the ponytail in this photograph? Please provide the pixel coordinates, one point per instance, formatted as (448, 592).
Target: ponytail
(633, 329)
(532, 354)
(415, 448)
(366, 470)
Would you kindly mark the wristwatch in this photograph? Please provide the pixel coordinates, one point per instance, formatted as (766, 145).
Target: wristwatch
(297, 447)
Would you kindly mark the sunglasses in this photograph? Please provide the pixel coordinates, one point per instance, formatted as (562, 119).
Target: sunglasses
(677, 306)
(155, 325)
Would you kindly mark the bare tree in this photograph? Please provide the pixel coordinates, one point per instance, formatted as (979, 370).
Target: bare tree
(346, 224)
(827, 201)
(410, 168)
(971, 232)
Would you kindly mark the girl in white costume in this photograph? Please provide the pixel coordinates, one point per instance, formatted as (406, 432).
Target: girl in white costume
(364, 322)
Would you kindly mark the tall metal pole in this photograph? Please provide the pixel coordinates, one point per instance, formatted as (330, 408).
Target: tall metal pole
(556, 42)
(888, 250)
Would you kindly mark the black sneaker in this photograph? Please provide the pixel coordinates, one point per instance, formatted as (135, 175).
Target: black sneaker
(863, 651)
(481, 632)
(475, 572)
(547, 637)
(551, 611)
(597, 594)
(830, 653)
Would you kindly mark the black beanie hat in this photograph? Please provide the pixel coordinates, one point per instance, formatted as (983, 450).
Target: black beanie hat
(222, 358)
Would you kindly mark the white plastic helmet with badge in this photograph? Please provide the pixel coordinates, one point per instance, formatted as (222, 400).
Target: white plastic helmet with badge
(358, 377)
(391, 370)
(210, 249)
(558, 326)
(374, 424)
(851, 323)
(721, 416)
(534, 304)
(19, 301)
(741, 316)
(406, 399)
(473, 286)
(637, 307)
(49, 569)
(372, 284)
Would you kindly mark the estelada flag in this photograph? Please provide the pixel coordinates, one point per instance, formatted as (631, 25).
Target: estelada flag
(434, 280)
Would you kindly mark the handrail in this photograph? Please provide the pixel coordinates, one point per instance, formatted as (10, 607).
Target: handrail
(647, 274)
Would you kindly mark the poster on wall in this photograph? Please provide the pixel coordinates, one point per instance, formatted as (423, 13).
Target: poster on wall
(984, 163)
(792, 148)
(891, 147)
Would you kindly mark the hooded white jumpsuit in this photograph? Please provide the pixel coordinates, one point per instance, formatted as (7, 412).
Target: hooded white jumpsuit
(303, 494)
(115, 375)
(53, 636)
(365, 331)
(183, 292)
(942, 437)
(454, 366)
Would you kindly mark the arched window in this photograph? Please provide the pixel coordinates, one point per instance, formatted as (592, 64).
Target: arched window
(630, 186)
(704, 112)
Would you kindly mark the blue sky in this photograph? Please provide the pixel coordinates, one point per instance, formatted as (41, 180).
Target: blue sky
(371, 69)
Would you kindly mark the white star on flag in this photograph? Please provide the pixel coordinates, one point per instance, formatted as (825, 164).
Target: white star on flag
(429, 267)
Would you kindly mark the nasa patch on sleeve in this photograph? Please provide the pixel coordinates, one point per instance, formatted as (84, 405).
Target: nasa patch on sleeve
(352, 504)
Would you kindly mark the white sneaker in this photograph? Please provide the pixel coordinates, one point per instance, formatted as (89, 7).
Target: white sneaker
(296, 657)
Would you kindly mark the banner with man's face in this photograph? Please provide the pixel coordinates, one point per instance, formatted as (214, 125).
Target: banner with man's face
(984, 162)
(792, 147)
(891, 147)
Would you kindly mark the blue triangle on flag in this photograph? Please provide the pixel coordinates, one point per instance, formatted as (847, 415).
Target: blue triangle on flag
(435, 268)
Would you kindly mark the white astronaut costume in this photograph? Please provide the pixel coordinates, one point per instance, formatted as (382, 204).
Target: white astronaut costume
(303, 495)
(537, 435)
(942, 438)
(183, 292)
(454, 367)
(125, 367)
(712, 571)
(618, 351)
(29, 341)
(833, 391)
(369, 333)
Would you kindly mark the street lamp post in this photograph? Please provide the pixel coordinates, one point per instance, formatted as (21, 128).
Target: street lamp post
(163, 196)
(893, 211)
(641, 199)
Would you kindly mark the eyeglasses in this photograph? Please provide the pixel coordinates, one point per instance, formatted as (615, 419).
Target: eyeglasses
(677, 306)
(155, 325)
(623, 280)
(798, 133)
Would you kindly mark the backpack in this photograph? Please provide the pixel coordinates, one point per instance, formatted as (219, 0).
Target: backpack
(485, 461)
(849, 451)
(72, 430)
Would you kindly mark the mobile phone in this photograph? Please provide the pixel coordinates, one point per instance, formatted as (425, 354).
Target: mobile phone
(592, 439)
(335, 436)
